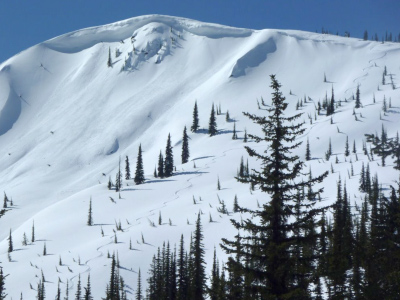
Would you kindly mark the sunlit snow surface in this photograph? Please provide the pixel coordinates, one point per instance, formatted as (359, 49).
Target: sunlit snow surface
(66, 119)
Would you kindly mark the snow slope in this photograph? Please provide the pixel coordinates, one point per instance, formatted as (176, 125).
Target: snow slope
(66, 119)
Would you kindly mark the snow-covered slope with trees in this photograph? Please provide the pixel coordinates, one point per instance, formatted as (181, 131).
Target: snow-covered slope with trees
(66, 118)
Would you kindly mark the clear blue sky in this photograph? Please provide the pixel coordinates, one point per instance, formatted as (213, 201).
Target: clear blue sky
(24, 23)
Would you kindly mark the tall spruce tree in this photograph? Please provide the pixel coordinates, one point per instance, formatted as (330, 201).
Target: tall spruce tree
(267, 244)
(139, 173)
(198, 284)
(346, 148)
(3, 294)
(88, 290)
(185, 147)
(127, 169)
(169, 158)
(308, 152)
(118, 178)
(138, 295)
(90, 217)
(212, 124)
(195, 124)
(358, 101)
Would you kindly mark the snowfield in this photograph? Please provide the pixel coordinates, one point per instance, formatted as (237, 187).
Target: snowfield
(66, 119)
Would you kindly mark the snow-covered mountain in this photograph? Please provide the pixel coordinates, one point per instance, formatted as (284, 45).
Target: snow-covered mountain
(66, 119)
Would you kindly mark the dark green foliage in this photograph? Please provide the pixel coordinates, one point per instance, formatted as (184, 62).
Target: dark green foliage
(358, 101)
(90, 217)
(138, 295)
(346, 148)
(235, 205)
(330, 107)
(227, 118)
(264, 256)
(109, 61)
(354, 147)
(3, 294)
(127, 169)
(328, 153)
(234, 135)
(88, 290)
(44, 249)
(41, 293)
(212, 124)
(182, 273)
(213, 290)
(139, 173)
(308, 152)
(78, 294)
(195, 124)
(113, 287)
(33, 232)
(381, 146)
(109, 184)
(198, 276)
(118, 178)
(185, 147)
(169, 159)
(5, 201)
(245, 136)
(10, 243)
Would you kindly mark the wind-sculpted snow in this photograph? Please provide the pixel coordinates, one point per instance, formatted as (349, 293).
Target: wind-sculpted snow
(10, 109)
(253, 58)
(115, 32)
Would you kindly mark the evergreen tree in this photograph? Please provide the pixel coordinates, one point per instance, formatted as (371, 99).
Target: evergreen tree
(10, 243)
(234, 135)
(112, 291)
(88, 290)
(195, 125)
(384, 105)
(308, 152)
(185, 147)
(139, 295)
(214, 280)
(109, 61)
(332, 104)
(358, 101)
(182, 272)
(265, 251)
(118, 178)
(354, 147)
(212, 124)
(139, 174)
(33, 232)
(329, 152)
(346, 148)
(198, 284)
(90, 218)
(365, 37)
(127, 169)
(160, 168)
(78, 294)
(227, 118)
(58, 295)
(5, 201)
(169, 158)
(3, 294)
(245, 136)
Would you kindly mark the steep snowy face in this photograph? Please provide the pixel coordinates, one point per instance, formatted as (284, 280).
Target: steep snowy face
(73, 106)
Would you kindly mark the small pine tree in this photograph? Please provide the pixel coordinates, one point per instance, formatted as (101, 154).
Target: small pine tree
(358, 101)
(212, 124)
(109, 61)
(5, 201)
(127, 169)
(109, 184)
(234, 135)
(44, 249)
(346, 149)
(218, 185)
(88, 290)
(159, 218)
(308, 152)
(384, 105)
(245, 136)
(185, 147)
(33, 232)
(139, 295)
(354, 147)
(118, 178)
(90, 217)
(139, 174)
(78, 294)
(195, 125)
(10, 243)
(3, 294)
(235, 205)
(227, 118)
(169, 158)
